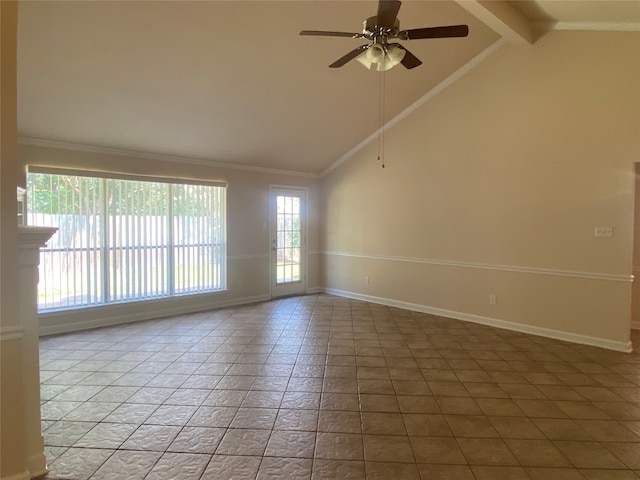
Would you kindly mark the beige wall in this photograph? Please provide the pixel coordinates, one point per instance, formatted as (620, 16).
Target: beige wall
(494, 187)
(247, 238)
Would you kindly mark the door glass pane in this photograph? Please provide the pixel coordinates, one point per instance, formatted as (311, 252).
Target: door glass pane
(287, 239)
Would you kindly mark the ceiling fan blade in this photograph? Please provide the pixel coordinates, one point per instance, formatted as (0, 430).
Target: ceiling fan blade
(387, 13)
(349, 56)
(435, 32)
(409, 60)
(321, 33)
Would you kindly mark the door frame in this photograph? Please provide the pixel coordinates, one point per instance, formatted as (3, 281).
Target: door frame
(273, 189)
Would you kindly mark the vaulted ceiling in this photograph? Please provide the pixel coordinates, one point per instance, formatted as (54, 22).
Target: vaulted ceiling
(233, 82)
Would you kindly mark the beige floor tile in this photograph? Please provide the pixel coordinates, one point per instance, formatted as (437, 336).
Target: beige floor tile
(386, 471)
(439, 450)
(378, 403)
(260, 418)
(499, 473)
(263, 399)
(304, 384)
(427, 425)
(339, 422)
(596, 474)
(448, 389)
(324, 387)
(417, 404)
(486, 451)
(284, 469)
(225, 398)
(294, 419)
(476, 426)
(383, 423)
(204, 416)
(545, 473)
(106, 435)
(537, 453)
(186, 466)
(619, 410)
(485, 390)
(458, 405)
(380, 387)
(197, 440)
(155, 438)
(608, 431)
(283, 443)
(540, 408)
(582, 410)
(78, 463)
(340, 385)
(628, 453)
(588, 455)
(337, 470)
(561, 429)
(135, 465)
(340, 401)
(387, 448)
(339, 446)
(232, 467)
(243, 442)
(445, 472)
(516, 427)
(303, 400)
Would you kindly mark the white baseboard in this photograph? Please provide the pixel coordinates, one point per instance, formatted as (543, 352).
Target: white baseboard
(635, 325)
(492, 322)
(154, 309)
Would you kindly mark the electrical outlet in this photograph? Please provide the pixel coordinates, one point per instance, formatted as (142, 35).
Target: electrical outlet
(493, 299)
(366, 280)
(603, 232)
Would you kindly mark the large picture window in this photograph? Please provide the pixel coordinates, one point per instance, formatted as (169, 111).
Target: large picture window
(124, 240)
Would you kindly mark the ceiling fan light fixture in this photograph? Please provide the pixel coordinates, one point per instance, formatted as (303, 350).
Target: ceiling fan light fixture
(376, 53)
(362, 58)
(384, 56)
(395, 54)
(385, 65)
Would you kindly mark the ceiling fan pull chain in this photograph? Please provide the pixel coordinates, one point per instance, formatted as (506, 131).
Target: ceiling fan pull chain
(381, 102)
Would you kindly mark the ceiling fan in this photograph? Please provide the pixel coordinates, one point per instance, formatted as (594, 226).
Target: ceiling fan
(379, 29)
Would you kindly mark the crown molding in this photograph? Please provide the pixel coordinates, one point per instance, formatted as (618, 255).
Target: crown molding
(459, 73)
(591, 26)
(79, 147)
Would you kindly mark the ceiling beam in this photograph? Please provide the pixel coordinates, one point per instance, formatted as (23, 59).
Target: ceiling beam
(502, 17)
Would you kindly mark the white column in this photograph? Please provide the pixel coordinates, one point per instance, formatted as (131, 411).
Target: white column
(30, 239)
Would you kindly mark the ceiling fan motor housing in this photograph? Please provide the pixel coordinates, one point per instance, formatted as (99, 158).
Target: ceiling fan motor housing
(371, 30)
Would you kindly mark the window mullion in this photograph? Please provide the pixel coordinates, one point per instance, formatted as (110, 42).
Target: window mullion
(171, 280)
(104, 240)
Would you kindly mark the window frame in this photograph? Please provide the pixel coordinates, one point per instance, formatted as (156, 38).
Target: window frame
(172, 290)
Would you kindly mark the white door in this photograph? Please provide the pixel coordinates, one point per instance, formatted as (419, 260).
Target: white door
(288, 241)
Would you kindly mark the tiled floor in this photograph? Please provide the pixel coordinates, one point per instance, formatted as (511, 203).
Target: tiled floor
(325, 387)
